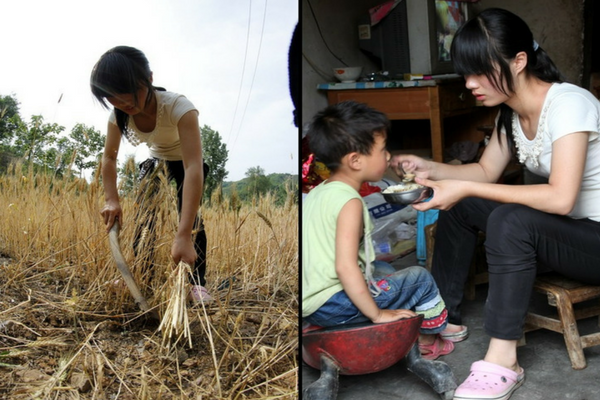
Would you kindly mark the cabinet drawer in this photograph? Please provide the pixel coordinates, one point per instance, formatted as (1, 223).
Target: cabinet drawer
(405, 103)
(456, 97)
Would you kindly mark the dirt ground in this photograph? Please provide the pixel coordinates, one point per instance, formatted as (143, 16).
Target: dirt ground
(51, 349)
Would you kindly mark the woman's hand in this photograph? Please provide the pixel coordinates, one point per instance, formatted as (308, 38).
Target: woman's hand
(446, 193)
(393, 315)
(183, 250)
(193, 185)
(112, 211)
(410, 164)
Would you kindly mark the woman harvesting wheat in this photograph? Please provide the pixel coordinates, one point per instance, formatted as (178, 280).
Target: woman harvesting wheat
(168, 123)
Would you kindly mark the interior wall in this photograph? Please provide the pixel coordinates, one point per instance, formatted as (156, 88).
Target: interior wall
(557, 26)
(338, 21)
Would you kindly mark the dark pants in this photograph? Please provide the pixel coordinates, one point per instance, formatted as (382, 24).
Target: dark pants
(520, 243)
(143, 244)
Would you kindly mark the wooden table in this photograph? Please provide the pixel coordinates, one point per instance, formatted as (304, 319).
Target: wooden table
(435, 100)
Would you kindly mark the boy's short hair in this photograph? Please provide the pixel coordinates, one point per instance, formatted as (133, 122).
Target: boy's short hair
(344, 128)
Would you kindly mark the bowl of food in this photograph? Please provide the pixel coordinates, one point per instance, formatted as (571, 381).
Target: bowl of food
(406, 193)
(347, 74)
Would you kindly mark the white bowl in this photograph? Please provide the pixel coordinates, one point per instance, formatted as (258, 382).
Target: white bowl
(347, 74)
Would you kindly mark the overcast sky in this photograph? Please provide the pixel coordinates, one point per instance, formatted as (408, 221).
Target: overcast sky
(208, 50)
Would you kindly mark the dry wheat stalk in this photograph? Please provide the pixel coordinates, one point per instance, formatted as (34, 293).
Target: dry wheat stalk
(53, 232)
(64, 363)
(175, 318)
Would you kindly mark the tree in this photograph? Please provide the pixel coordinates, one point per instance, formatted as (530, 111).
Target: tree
(9, 118)
(257, 183)
(60, 156)
(128, 175)
(41, 144)
(33, 139)
(87, 144)
(215, 154)
(283, 188)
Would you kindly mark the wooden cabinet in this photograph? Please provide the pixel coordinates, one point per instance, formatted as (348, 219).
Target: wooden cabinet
(445, 99)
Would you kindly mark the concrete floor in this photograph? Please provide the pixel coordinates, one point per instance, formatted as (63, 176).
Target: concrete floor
(548, 372)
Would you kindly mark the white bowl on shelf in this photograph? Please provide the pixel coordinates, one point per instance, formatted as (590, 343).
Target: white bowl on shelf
(347, 74)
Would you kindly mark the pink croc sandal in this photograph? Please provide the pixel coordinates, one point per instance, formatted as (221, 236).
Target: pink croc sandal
(488, 381)
(439, 347)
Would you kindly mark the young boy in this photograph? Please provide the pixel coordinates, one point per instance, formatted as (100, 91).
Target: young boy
(341, 282)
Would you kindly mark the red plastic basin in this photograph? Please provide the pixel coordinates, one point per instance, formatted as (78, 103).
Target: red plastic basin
(359, 349)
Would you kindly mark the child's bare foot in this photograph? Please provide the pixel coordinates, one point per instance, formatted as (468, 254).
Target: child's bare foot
(427, 339)
(455, 333)
(454, 328)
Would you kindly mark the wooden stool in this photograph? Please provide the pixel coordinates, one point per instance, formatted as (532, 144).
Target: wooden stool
(563, 293)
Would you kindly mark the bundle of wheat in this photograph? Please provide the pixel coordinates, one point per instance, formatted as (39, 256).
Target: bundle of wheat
(175, 318)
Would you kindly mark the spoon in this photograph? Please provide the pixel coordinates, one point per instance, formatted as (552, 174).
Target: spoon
(405, 176)
(408, 178)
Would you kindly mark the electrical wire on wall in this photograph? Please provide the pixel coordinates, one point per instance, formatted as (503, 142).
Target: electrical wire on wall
(316, 68)
(322, 38)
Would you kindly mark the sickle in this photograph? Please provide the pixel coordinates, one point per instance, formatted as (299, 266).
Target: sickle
(113, 237)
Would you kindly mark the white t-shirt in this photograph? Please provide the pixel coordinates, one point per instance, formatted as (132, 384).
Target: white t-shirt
(163, 141)
(567, 109)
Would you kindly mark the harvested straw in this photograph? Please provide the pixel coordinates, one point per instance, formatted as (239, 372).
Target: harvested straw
(57, 298)
(175, 318)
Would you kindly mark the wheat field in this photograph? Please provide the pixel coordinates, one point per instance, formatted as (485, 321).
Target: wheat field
(70, 330)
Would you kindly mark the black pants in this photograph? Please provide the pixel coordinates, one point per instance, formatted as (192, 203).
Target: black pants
(520, 243)
(145, 222)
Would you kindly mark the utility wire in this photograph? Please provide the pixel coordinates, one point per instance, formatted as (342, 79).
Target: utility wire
(262, 31)
(237, 103)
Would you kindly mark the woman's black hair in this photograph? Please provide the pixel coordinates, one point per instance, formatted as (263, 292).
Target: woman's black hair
(121, 70)
(344, 128)
(487, 43)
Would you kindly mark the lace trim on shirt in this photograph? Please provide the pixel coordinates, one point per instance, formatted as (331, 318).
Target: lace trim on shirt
(530, 150)
(135, 137)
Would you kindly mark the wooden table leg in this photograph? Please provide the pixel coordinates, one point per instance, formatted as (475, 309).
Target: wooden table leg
(437, 124)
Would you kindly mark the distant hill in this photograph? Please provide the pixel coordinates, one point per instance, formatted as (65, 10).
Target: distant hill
(277, 181)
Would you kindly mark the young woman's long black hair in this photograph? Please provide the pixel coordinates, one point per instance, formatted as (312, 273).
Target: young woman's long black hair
(121, 70)
(487, 43)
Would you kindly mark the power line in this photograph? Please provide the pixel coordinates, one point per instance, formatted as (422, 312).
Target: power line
(254, 73)
(243, 72)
